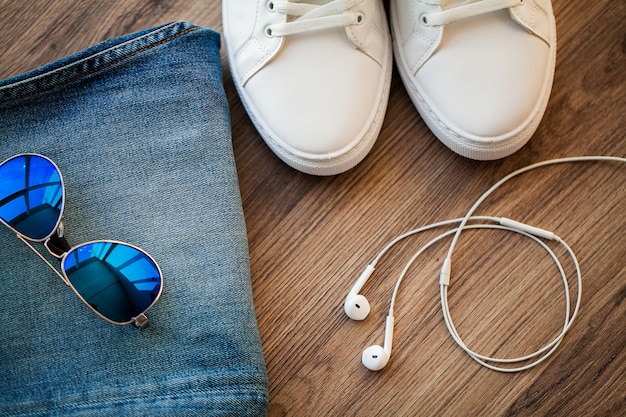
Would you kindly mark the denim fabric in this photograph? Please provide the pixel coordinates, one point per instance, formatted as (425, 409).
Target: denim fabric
(139, 127)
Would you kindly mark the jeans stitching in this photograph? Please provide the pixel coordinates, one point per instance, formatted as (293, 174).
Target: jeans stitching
(81, 74)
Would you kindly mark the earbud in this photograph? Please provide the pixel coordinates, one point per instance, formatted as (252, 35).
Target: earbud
(356, 305)
(376, 357)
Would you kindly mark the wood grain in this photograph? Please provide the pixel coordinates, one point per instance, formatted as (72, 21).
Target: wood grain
(310, 237)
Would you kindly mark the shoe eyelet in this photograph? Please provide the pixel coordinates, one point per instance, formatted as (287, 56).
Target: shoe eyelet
(360, 18)
(270, 5)
(268, 32)
(424, 20)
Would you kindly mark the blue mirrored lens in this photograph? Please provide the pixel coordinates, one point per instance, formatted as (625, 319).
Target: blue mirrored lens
(31, 195)
(117, 280)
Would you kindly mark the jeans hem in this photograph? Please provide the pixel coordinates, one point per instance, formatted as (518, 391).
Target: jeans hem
(89, 61)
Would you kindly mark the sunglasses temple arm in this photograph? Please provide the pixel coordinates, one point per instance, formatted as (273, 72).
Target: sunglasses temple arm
(43, 259)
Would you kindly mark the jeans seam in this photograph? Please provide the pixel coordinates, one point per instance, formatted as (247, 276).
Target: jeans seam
(99, 68)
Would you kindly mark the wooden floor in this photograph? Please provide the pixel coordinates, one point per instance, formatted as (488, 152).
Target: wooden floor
(311, 237)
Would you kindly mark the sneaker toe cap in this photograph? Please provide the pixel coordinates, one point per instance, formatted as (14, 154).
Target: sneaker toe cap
(318, 98)
(488, 92)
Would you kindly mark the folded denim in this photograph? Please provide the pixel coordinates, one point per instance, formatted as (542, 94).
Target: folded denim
(139, 127)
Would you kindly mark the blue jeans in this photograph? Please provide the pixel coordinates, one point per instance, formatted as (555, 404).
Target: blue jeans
(140, 129)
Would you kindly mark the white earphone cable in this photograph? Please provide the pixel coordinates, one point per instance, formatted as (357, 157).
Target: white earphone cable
(514, 174)
(483, 360)
(531, 232)
(548, 349)
(435, 240)
(446, 271)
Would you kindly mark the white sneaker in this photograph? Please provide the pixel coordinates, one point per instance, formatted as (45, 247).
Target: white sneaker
(314, 77)
(479, 72)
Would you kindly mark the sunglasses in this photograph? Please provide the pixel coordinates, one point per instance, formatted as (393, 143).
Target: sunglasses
(117, 281)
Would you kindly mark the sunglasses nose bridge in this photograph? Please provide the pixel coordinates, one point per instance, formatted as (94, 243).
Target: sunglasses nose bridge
(56, 244)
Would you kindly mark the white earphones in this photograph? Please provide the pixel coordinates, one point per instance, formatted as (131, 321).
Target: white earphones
(357, 307)
(376, 357)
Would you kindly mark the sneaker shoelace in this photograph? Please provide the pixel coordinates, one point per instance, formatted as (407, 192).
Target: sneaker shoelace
(311, 17)
(463, 10)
